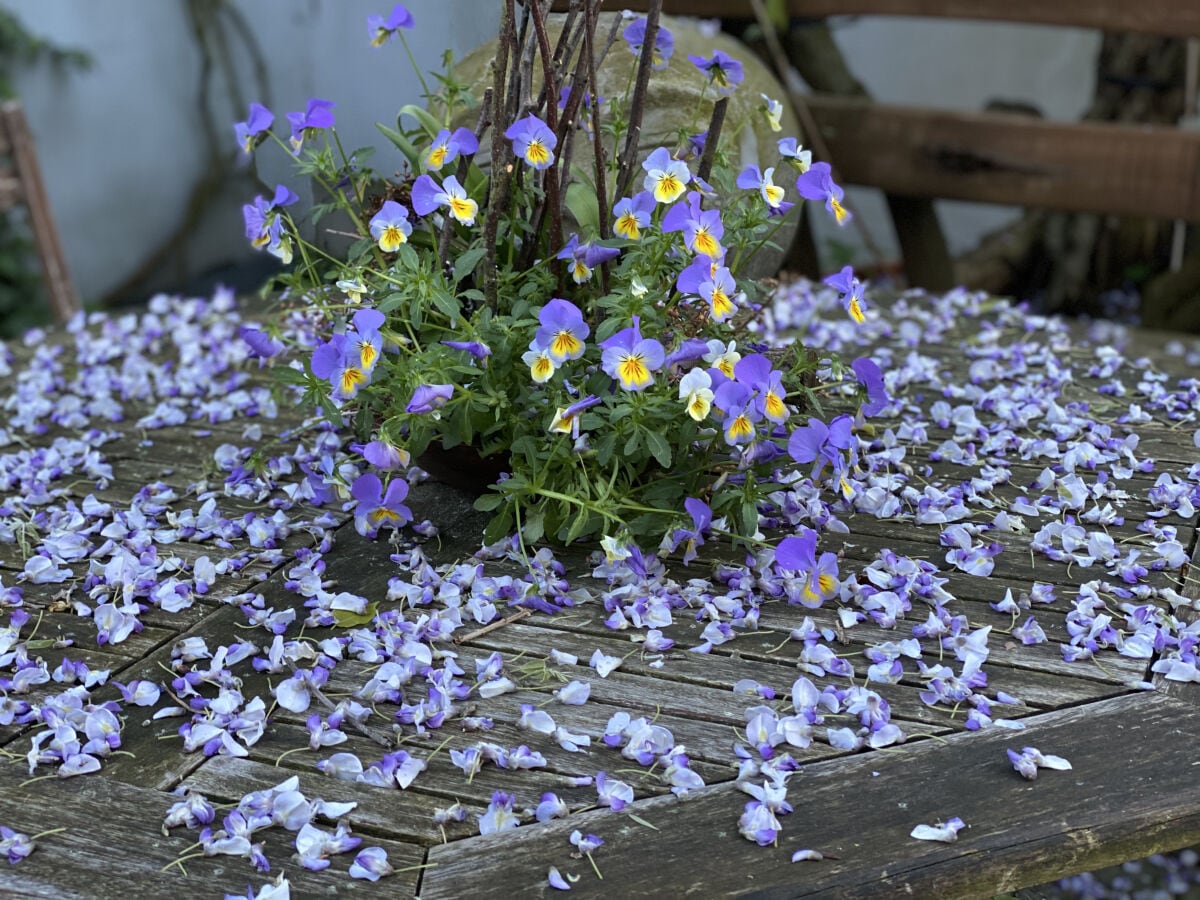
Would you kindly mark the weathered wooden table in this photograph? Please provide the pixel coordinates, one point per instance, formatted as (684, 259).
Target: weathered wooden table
(1132, 746)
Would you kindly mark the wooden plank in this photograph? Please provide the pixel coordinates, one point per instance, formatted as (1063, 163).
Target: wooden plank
(1167, 18)
(60, 292)
(113, 847)
(1143, 171)
(1127, 796)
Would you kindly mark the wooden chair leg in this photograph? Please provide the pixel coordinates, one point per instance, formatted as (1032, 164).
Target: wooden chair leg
(60, 292)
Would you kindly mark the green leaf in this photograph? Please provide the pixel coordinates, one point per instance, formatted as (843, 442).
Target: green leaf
(447, 305)
(465, 264)
(659, 447)
(633, 444)
(426, 121)
(391, 302)
(402, 143)
(581, 201)
(749, 518)
(345, 618)
(489, 502)
(288, 375)
(535, 527)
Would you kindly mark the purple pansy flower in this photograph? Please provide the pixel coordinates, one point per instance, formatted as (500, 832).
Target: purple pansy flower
(702, 228)
(376, 509)
(260, 343)
(585, 257)
(562, 331)
(851, 290)
(380, 29)
(254, 130)
(390, 226)
(666, 178)
(317, 116)
(870, 376)
(428, 196)
(721, 69)
(631, 359)
(447, 146)
(753, 180)
(533, 141)
(429, 397)
(631, 214)
(817, 184)
(735, 400)
(664, 42)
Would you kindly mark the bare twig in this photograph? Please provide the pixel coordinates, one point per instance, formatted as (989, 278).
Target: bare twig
(550, 180)
(492, 626)
(589, 50)
(382, 738)
(638, 104)
(500, 169)
(807, 123)
(712, 138)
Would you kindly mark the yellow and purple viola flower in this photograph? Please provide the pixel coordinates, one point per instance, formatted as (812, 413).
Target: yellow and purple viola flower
(376, 509)
(429, 397)
(533, 141)
(817, 184)
(541, 365)
(796, 157)
(756, 372)
(364, 341)
(584, 114)
(722, 70)
(566, 421)
(428, 196)
(390, 226)
(702, 228)
(380, 29)
(384, 455)
(317, 116)
(339, 363)
(735, 400)
(562, 331)
(666, 178)
(695, 390)
(773, 112)
(722, 357)
(691, 538)
(754, 180)
(477, 349)
(851, 291)
(720, 293)
(870, 376)
(447, 146)
(585, 257)
(664, 42)
(819, 443)
(632, 214)
(264, 224)
(632, 359)
(254, 130)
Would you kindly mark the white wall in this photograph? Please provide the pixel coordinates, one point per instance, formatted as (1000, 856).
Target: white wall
(960, 65)
(121, 149)
(120, 146)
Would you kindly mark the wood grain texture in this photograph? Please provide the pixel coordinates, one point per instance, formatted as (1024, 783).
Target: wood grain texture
(1159, 17)
(1125, 794)
(1130, 170)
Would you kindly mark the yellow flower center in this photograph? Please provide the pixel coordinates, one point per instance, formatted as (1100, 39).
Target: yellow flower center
(391, 239)
(542, 369)
(773, 194)
(627, 227)
(565, 344)
(536, 154)
(741, 427)
(464, 209)
(367, 354)
(698, 406)
(668, 188)
(705, 243)
(437, 156)
(722, 306)
(352, 378)
(856, 311)
(839, 211)
(633, 371)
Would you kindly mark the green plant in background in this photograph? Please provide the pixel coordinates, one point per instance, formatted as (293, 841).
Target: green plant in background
(20, 278)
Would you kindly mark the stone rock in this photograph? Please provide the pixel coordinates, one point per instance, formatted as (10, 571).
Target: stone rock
(676, 100)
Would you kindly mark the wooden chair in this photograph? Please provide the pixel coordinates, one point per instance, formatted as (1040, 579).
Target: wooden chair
(915, 155)
(21, 185)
